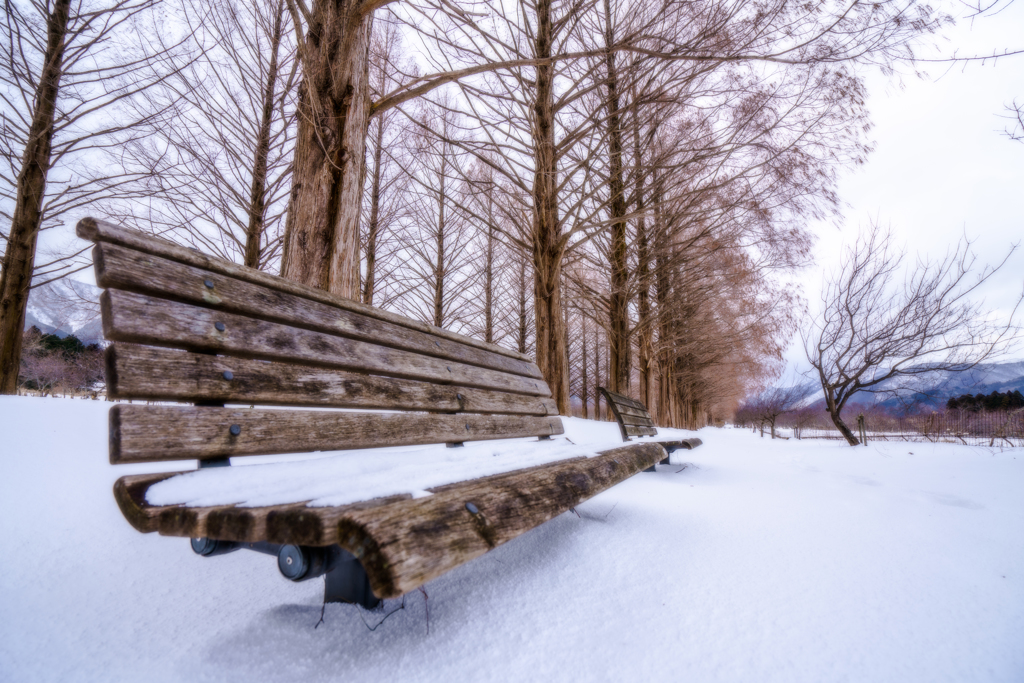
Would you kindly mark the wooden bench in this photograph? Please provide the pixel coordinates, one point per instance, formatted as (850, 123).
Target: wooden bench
(189, 328)
(635, 420)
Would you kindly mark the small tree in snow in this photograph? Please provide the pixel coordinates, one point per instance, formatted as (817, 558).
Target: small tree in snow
(772, 403)
(874, 328)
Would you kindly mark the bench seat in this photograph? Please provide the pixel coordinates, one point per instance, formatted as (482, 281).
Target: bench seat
(402, 541)
(205, 338)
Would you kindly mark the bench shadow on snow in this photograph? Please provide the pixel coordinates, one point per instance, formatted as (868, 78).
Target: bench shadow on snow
(286, 632)
(542, 566)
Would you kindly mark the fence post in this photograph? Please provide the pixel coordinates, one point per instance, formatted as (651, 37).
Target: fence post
(863, 430)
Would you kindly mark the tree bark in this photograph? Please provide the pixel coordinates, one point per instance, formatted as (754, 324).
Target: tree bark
(440, 272)
(373, 225)
(321, 242)
(547, 239)
(489, 276)
(597, 375)
(666, 377)
(521, 329)
(618, 308)
(19, 258)
(584, 380)
(258, 192)
(646, 340)
(834, 411)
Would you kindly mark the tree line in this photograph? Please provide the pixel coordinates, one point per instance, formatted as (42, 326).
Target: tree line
(615, 187)
(997, 400)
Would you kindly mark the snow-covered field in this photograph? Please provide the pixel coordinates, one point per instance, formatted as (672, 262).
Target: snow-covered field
(760, 561)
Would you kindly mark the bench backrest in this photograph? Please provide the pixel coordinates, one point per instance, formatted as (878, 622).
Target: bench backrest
(194, 328)
(632, 416)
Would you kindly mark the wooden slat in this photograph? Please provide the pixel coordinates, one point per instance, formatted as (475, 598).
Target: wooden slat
(622, 400)
(140, 319)
(406, 544)
(249, 524)
(184, 521)
(100, 231)
(318, 526)
(220, 522)
(150, 433)
(632, 430)
(130, 494)
(134, 271)
(629, 405)
(637, 421)
(144, 372)
(633, 412)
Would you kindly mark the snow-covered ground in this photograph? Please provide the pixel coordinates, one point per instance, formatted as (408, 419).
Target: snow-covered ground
(760, 561)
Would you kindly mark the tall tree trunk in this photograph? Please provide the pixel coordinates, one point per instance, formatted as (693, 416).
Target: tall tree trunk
(646, 341)
(618, 327)
(585, 360)
(258, 192)
(19, 258)
(440, 273)
(521, 330)
(489, 277)
(568, 353)
(321, 242)
(373, 225)
(666, 377)
(597, 374)
(547, 239)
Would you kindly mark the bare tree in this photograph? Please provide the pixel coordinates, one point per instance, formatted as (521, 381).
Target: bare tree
(65, 67)
(384, 202)
(215, 162)
(438, 261)
(769, 405)
(1015, 114)
(875, 328)
(527, 41)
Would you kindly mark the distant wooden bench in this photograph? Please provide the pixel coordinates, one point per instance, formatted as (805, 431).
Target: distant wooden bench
(191, 328)
(635, 420)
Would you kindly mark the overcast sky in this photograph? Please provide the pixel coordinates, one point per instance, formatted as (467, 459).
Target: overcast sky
(942, 166)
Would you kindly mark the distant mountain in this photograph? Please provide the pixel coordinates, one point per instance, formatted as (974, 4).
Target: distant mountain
(66, 307)
(933, 389)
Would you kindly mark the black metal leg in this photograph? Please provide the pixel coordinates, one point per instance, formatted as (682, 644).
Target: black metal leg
(347, 581)
(345, 578)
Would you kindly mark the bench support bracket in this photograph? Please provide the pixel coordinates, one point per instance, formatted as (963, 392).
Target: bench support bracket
(347, 581)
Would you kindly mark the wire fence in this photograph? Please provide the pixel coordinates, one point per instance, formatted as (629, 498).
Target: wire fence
(996, 428)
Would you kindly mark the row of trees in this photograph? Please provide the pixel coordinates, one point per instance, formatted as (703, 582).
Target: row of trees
(1008, 400)
(790, 407)
(613, 187)
(991, 428)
